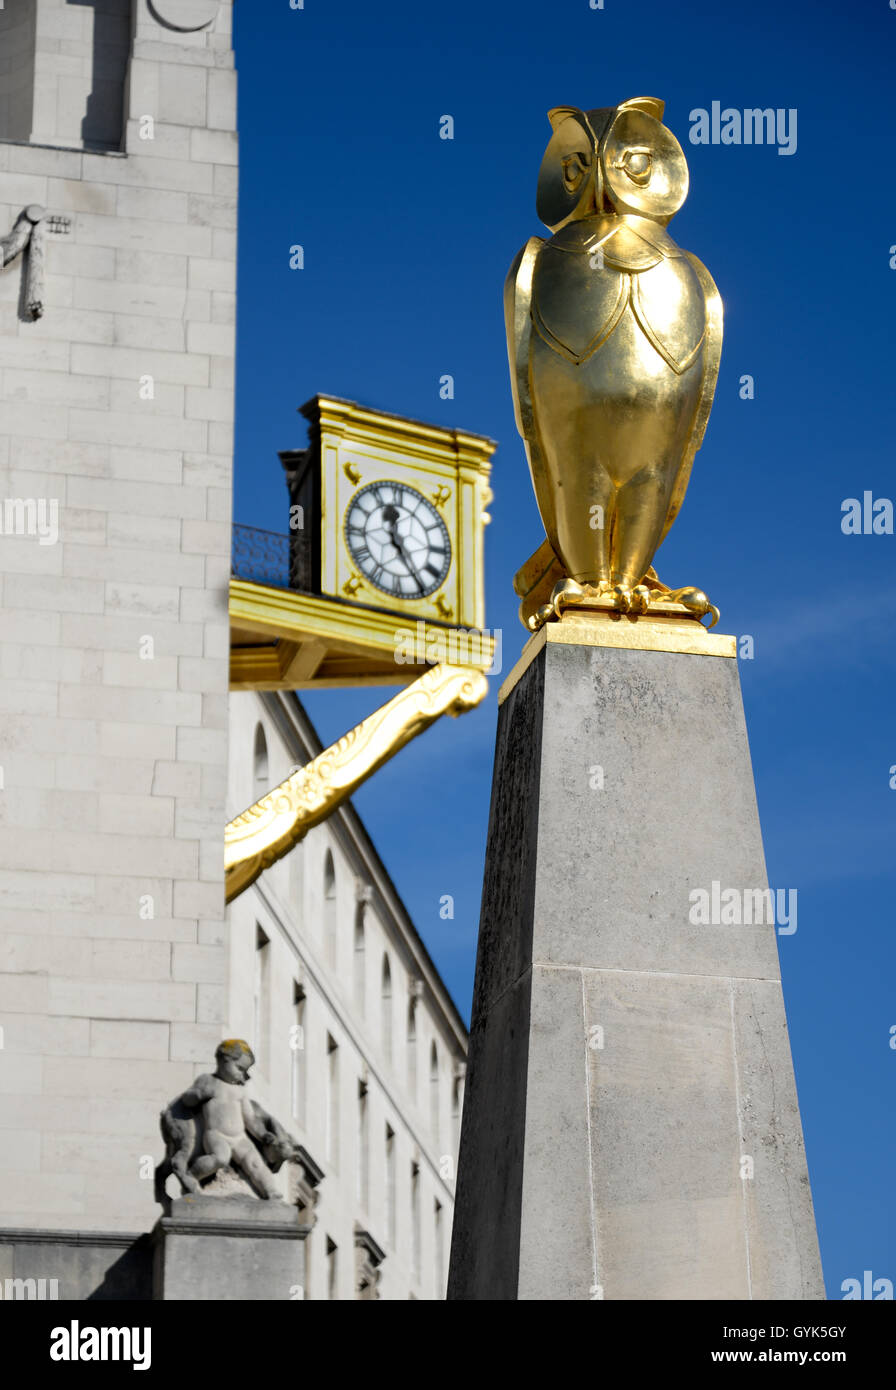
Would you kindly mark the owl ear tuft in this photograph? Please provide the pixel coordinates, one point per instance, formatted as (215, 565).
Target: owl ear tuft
(558, 114)
(652, 106)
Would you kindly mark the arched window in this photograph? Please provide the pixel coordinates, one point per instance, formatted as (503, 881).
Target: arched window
(358, 958)
(330, 907)
(434, 1092)
(440, 1249)
(297, 1043)
(390, 1185)
(261, 1000)
(260, 778)
(412, 1048)
(456, 1094)
(363, 1156)
(297, 880)
(415, 1220)
(386, 1007)
(332, 1269)
(331, 1138)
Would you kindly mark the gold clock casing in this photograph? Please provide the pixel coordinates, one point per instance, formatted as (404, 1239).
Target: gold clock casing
(355, 446)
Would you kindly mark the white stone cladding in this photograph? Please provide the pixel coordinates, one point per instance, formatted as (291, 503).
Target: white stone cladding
(118, 405)
(312, 938)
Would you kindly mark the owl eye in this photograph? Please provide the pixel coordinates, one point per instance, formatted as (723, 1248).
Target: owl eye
(574, 167)
(636, 164)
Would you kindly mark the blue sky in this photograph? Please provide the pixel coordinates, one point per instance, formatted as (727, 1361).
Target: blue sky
(407, 240)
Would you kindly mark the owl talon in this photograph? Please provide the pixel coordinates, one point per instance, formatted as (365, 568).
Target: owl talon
(566, 592)
(629, 600)
(540, 617)
(695, 601)
(625, 599)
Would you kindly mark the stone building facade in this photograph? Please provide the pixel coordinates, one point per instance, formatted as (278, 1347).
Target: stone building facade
(118, 119)
(360, 1049)
(119, 969)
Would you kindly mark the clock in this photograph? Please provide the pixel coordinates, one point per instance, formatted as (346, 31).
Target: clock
(389, 514)
(398, 540)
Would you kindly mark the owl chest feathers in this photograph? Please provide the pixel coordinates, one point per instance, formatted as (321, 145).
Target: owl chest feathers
(595, 271)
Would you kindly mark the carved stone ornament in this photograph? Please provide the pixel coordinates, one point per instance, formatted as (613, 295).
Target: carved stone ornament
(368, 1257)
(185, 15)
(305, 1177)
(218, 1140)
(27, 239)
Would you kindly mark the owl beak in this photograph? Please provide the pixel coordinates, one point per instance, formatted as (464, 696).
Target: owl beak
(600, 197)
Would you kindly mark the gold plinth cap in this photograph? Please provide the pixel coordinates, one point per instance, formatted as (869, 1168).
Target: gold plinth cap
(667, 628)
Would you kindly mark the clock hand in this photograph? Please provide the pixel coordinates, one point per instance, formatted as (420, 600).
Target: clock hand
(390, 517)
(408, 561)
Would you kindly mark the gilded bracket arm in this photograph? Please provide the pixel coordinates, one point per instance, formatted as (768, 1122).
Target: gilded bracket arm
(269, 829)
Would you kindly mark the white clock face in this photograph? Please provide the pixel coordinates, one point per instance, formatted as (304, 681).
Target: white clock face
(397, 539)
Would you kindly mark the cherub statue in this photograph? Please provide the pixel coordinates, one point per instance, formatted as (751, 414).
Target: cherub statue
(215, 1126)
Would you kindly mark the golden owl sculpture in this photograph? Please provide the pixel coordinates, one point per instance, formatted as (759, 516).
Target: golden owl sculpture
(614, 336)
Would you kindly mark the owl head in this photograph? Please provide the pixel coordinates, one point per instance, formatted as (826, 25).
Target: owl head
(614, 159)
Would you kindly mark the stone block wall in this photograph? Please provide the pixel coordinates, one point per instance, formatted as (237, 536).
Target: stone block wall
(116, 413)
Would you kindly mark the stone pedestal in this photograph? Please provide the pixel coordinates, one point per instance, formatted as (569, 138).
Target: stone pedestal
(229, 1249)
(630, 1126)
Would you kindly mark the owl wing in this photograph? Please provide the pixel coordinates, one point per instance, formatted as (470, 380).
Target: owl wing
(712, 352)
(518, 323)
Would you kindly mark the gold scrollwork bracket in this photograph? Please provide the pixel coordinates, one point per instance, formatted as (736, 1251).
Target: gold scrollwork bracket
(269, 829)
